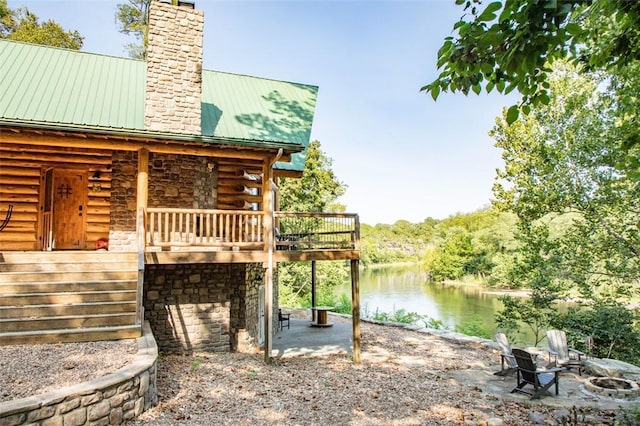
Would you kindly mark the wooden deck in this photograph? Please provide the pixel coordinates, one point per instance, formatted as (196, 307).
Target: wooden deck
(238, 236)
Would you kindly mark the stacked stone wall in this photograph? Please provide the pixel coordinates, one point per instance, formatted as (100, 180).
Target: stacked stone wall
(203, 307)
(122, 223)
(246, 330)
(109, 400)
(174, 69)
(175, 181)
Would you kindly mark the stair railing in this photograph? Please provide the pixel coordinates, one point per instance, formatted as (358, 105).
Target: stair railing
(7, 218)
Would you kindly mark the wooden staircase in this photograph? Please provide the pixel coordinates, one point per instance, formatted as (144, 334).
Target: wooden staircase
(65, 296)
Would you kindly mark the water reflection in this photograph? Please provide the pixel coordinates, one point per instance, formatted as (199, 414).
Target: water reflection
(392, 288)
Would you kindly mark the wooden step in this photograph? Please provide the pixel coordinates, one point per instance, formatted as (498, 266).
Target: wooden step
(70, 296)
(110, 285)
(67, 266)
(66, 256)
(67, 298)
(39, 311)
(67, 322)
(77, 276)
(71, 335)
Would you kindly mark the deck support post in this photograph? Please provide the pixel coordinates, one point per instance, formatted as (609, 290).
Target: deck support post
(313, 290)
(142, 196)
(355, 308)
(268, 193)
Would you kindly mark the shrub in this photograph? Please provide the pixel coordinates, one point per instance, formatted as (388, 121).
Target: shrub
(473, 327)
(612, 326)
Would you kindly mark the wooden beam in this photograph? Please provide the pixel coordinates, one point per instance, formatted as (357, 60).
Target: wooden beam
(355, 309)
(211, 151)
(134, 143)
(51, 158)
(287, 173)
(193, 256)
(303, 256)
(55, 150)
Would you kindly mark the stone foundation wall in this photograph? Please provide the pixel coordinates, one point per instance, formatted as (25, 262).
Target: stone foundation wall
(203, 307)
(109, 400)
(246, 339)
(175, 181)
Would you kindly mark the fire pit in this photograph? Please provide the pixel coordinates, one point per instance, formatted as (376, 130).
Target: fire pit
(613, 386)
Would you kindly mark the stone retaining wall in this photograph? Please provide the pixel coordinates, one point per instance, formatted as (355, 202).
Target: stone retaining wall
(109, 400)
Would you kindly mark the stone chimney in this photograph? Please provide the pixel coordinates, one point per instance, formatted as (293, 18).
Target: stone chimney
(174, 68)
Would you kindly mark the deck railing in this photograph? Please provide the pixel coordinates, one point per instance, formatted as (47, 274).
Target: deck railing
(317, 231)
(183, 229)
(202, 228)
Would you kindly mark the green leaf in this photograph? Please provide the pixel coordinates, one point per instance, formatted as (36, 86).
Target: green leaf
(489, 13)
(506, 12)
(490, 86)
(573, 29)
(435, 91)
(544, 99)
(476, 89)
(486, 68)
(445, 48)
(510, 87)
(512, 114)
(459, 2)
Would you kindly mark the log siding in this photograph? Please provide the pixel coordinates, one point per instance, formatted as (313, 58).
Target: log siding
(22, 170)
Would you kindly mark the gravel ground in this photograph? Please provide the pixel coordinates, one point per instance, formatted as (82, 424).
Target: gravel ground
(403, 380)
(27, 370)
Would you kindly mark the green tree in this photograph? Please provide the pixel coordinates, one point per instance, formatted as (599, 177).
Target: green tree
(22, 25)
(7, 20)
(469, 244)
(560, 163)
(540, 268)
(560, 176)
(452, 256)
(512, 45)
(133, 19)
(401, 242)
(316, 191)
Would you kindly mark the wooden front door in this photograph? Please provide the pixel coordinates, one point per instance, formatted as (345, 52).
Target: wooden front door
(69, 194)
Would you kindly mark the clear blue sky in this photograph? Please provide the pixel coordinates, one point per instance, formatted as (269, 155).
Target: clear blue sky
(402, 155)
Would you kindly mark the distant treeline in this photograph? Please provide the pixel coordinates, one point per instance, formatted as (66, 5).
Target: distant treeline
(477, 244)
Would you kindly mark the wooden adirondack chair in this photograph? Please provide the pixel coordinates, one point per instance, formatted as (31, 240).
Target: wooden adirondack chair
(508, 362)
(528, 374)
(560, 354)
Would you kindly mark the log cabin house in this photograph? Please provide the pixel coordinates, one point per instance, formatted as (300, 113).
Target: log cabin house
(145, 190)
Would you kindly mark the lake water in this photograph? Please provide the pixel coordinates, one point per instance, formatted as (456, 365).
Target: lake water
(390, 289)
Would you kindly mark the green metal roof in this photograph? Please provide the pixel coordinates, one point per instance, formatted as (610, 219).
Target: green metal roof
(65, 87)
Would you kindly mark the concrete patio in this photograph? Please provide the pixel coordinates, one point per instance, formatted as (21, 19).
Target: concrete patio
(302, 339)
